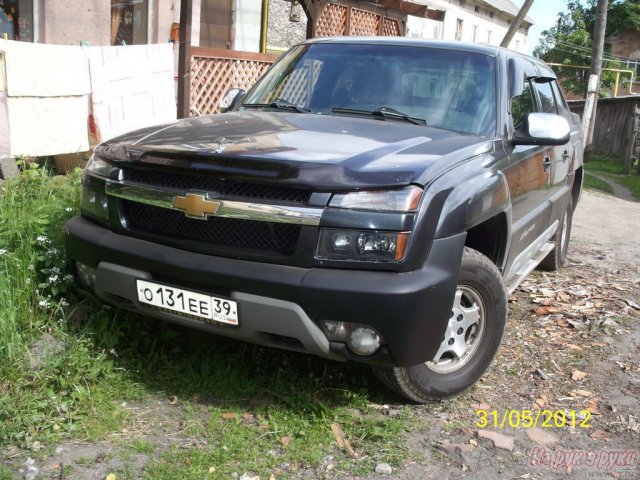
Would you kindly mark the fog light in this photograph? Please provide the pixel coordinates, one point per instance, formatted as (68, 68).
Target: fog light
(86, 275)
(363, 341)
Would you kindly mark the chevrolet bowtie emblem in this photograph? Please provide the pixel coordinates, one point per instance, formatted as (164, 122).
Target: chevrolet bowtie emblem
(196, 205)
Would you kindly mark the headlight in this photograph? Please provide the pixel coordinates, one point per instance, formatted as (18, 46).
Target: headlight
(361, 245)
(97, 166)
(402, 200)
(94, 203)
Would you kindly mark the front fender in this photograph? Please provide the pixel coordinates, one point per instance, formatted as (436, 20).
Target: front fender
(478, 192)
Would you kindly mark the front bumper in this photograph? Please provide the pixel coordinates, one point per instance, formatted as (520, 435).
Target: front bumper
(281, 306)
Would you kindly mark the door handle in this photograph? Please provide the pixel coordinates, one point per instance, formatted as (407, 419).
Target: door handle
(546, 164)
(565, 156)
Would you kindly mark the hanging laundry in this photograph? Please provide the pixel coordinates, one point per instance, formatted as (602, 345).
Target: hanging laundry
(47, 97)
(132, 87)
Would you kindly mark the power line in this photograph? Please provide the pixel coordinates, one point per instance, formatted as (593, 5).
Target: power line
(579, 49)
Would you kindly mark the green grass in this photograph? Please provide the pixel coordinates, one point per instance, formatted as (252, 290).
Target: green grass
(632, 183)
(608, 164)
(106, 357)
(594, 183)
(612, 167)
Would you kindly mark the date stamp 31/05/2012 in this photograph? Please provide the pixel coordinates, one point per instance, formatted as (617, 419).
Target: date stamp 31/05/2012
(533, 418)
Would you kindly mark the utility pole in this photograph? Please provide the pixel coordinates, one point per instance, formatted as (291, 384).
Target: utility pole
(184, 60)
(515, 25)
(597, 52)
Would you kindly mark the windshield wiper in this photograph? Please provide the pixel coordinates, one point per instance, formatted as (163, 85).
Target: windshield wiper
(384, 112)
(280, 104)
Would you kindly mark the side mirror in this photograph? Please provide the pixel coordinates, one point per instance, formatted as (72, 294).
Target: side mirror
(231, 99)
(543, 129)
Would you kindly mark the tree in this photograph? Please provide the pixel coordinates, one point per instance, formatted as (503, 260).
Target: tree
(623, 16)
(569, 42)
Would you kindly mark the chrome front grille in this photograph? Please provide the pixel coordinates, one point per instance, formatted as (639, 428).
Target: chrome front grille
(220, 187)
(281, 238)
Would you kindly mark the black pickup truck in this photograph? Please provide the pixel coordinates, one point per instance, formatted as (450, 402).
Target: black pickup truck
(369, 199)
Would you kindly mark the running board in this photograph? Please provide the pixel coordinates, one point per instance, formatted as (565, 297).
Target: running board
(530, 258)
(526, 269)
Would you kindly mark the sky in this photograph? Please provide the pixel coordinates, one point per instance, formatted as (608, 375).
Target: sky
(544, 14)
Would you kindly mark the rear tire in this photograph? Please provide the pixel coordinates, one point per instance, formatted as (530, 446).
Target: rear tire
(558, 256)
(473, 334)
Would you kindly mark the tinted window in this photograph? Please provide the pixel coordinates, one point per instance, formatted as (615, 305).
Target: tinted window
(449, 89)
(522, 105)
(547, 100)
(563, 108)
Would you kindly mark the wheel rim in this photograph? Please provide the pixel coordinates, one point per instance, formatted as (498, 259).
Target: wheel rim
(464, 332)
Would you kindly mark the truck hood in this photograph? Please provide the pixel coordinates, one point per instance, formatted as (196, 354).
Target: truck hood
(311, 150)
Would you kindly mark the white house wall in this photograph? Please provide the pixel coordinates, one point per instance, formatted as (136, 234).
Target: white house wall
(488, 30)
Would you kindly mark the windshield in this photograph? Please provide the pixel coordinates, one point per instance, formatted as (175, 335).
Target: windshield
(447, 88)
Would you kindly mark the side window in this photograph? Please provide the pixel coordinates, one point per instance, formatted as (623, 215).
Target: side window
(547, 100)
(563, 108)
(522, 105)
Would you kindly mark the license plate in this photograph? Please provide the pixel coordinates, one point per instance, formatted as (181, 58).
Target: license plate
(187, 302)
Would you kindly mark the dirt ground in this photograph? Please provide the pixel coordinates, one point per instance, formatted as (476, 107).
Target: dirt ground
(569, 362)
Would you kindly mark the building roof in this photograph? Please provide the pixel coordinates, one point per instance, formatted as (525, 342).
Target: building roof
(506, 6)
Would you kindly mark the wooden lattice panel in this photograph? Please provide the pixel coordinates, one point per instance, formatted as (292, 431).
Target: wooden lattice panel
(297, 89)
(390, 27)
(333, 21)
(364, 23)
(211, 77)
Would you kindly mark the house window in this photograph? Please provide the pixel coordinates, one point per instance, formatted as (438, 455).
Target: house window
(216, 23)
(477, 9)
(129, 22)
(16, 20)
(459, 26)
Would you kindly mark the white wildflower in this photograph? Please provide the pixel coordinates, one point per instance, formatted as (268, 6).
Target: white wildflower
(43, 304)
(41, 239)
(2, 251)
(53, 279)
(68, 209)
(31, 268)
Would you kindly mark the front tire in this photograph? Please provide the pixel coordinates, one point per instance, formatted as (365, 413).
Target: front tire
(473, 334)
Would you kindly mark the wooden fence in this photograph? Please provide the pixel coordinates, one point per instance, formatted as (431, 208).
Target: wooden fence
(339, 19)
(215, 70)
(616, 128)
